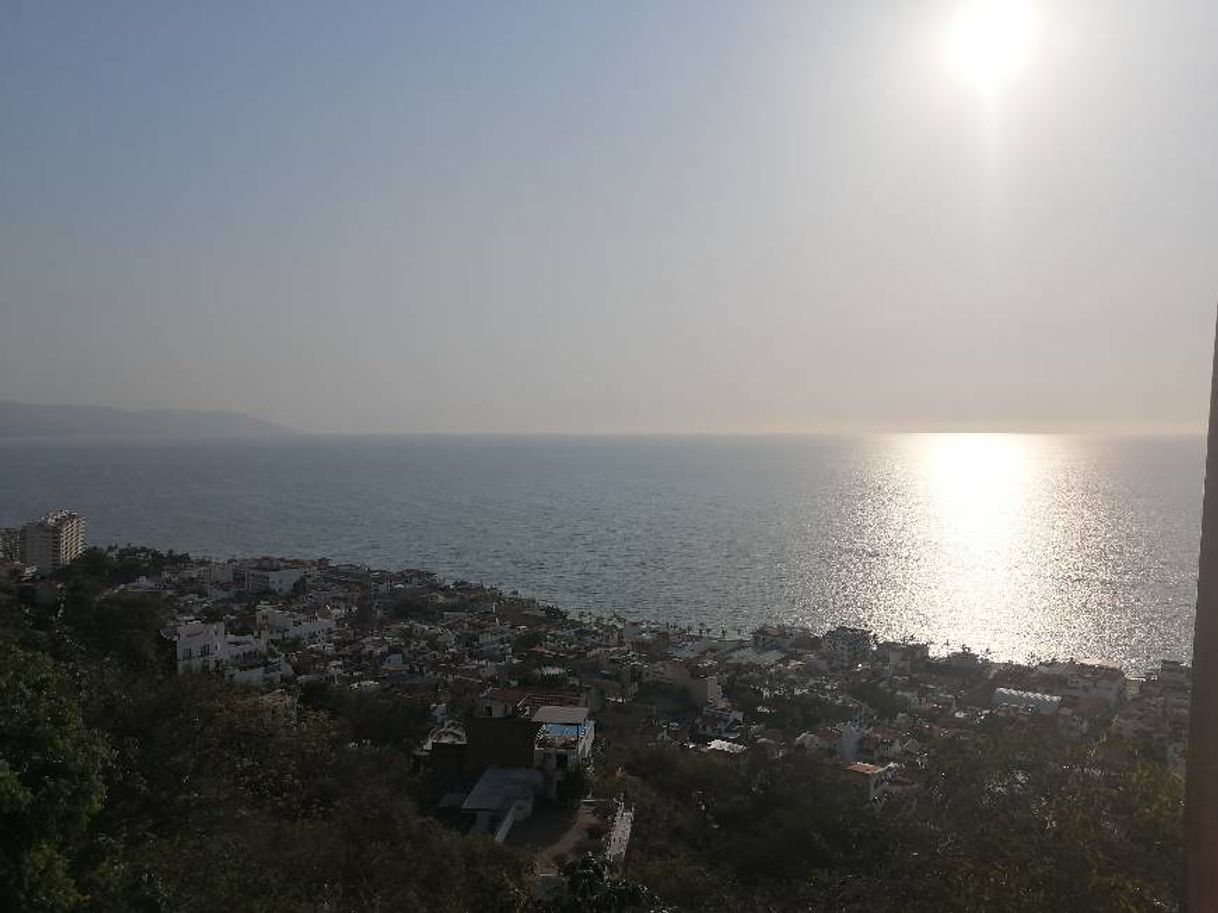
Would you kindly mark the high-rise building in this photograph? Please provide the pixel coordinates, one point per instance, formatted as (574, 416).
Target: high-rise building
(53, 541)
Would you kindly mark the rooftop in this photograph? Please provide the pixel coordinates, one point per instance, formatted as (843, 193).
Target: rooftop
(499, 788)
(567, 716)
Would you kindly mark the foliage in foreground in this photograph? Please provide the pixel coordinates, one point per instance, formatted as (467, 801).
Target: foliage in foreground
(1011, 819)
(126, 787)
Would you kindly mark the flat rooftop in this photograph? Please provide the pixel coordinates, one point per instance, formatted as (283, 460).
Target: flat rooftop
(499, 788)
(567, 716)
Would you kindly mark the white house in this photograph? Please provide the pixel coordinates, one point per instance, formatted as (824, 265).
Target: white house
(200, 646)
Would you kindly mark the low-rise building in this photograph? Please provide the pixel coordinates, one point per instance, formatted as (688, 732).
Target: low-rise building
(565, 739)
(284, 625)
(501, 797)
(263, 578)
(870, 779)
(1031, 701)
(201, 646)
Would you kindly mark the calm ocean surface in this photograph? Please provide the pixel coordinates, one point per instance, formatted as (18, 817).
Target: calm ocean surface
(1024, 545)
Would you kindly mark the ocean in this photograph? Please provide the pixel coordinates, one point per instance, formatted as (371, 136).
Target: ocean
(1025, 546)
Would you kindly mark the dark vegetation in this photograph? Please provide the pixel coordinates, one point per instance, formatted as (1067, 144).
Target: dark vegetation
(1011, 818)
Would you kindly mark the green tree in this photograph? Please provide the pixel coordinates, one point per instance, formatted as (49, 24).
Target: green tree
(589, 887)
(52, 783)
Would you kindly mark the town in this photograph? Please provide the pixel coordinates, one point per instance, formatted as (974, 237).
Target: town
(525, 701)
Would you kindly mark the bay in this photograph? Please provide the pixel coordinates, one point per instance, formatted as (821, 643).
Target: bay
(1021, 545)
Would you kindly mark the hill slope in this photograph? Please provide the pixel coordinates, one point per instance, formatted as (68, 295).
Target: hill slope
(31, 420)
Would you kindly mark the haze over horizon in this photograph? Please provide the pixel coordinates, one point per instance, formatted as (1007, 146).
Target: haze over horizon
(544, 217)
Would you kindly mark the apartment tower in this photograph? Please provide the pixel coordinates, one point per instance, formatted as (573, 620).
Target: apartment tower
(53, 541)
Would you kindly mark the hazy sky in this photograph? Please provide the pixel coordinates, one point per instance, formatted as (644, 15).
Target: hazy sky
(662, 216)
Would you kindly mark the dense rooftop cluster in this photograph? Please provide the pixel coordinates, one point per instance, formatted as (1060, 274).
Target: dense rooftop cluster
(560, 736)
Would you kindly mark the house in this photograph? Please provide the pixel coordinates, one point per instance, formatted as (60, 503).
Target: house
(509, 702)
(501, 797)
(871, 779)
(882, 744)
(565, 739)
(283, 625)
(200, 646)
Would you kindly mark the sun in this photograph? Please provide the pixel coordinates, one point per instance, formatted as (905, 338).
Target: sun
(990, 42)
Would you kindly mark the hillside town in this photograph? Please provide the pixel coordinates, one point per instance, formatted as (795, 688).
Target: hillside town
(525, 699)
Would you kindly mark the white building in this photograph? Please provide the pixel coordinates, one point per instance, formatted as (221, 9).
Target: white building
(201, 646)
(1086, 680)
(262, 579)
(55, 540)
(284, 625)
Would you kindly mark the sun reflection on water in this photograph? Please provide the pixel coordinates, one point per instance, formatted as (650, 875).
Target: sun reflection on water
(978, 502)
(977, 486)
(979, 497)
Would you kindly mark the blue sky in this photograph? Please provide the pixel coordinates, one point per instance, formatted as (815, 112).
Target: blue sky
(701, 216)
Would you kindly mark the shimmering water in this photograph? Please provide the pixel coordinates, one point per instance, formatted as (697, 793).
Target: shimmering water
(1018, 544)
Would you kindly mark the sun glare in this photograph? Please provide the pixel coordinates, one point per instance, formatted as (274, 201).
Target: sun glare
(977, 485)
(990, 42)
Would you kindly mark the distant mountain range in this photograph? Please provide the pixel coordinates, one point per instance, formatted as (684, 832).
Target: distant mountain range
(30, 420)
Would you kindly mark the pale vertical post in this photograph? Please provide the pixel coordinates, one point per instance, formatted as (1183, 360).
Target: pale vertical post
(1201, 802)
